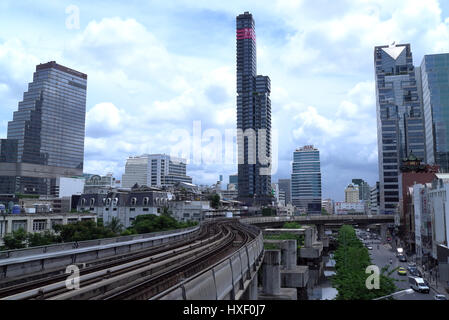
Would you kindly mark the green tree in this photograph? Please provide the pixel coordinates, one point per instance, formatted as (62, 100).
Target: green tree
(266, 212)
(214, 200)
(351, 259)
(15, 240)
(42, 239)
(115, 226)
(324, 211)
(292, 225)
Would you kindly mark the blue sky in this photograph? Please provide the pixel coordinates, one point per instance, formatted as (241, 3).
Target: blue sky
(155, 67)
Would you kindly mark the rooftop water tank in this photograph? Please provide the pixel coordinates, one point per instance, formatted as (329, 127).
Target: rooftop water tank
(16, 209)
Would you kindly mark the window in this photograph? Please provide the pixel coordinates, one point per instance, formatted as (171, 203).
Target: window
(146, 209)
(39, 225)
(108, 201)
(92, 202)
(115, 201)
(132, 209)
(55, 222)
(146, 200)
(83, 202)
(16, 225)
(72, 220)
(133, 201)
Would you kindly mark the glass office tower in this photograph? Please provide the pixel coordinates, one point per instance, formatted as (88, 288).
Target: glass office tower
(435, 98)
(253, 118)
(47, 132)
(306, 180)
(400, 123)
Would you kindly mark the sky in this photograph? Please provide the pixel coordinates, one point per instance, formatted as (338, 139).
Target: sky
(161, 71)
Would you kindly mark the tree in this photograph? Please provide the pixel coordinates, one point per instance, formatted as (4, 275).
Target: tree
(115, 225)
(351, 259)
(268, 212)
(166, 212)
(214, 200)
(324, 211)
(15, 240)
(42, 239)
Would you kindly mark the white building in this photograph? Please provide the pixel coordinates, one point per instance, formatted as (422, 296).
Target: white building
(374, 199)
(351, 193)
(189, 210)
(67, 187)
(328, 205)
(350, 207)
(155, 170)
(33, 223)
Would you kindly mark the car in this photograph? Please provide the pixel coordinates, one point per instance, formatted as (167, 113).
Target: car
(402, 258)
(402, 271)
(411, 264)
(440, 297)
(369, 248)
(414, 271)
(419, 284)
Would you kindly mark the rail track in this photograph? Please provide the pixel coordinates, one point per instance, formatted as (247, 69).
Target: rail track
(143, 273)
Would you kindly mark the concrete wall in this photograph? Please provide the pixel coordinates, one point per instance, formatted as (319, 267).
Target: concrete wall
(232, 278)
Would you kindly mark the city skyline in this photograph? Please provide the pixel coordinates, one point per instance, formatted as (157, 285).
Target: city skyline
(125, 87)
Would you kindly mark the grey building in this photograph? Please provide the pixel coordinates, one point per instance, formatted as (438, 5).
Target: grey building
(156, 170)
(125, 205)
(285, 186)
(364, 189)
(306, 180)
(253, 118)
(400, 122)
(435, 98)
(374, 199)
(45, 139)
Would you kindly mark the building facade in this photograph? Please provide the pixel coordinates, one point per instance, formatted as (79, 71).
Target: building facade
(45, 139)
(157, 170)
(435, 99)
(306, 180)
(374, 199)
(328, 205)
(285, 185)
(350, 208)
(253, 118)
(364, 189)
(351, 193)
(400, 122)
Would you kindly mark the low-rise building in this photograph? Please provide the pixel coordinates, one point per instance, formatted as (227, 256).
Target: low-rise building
(38, 222)
(328, 205)
(124, 204)
(350, 207)
(186, 210)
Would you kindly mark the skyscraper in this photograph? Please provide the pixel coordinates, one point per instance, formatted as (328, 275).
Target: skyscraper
(253, 118)
(400, 124)
(306, 180)
(46, 135)
(285, 185)
(364, 189)
(435, 98)
(352, 193)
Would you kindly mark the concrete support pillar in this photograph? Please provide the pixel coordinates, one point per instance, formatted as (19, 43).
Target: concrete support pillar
(272, 272)
(320, 229)
(291, 255)
(383, 232)
(252, 289)
(308, 238)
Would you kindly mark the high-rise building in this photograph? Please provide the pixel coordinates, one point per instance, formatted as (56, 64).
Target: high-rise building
(400, 123)
(155, 170)
(435, 99)
(374, 199)
(285, 185)
(364, 189)
(45, 139)
(253, 118)
(234, 180)
(306, 180)
(352, 194)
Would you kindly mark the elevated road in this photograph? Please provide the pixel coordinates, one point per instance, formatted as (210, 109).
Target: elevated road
(319, 220)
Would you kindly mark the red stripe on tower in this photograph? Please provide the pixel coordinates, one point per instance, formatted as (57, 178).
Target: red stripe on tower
(246, 33)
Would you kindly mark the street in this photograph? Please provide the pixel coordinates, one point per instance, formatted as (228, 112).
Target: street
(381, 257)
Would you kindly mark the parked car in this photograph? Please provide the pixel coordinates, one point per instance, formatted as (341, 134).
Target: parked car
(402, 258)
(414, 271)
(369, 247)
(440, 297)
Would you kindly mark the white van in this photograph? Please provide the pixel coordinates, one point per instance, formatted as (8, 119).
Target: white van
(418, 284)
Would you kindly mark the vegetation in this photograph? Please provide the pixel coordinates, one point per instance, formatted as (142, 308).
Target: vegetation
(266, 212)
(151, 223)
(287, 236)
(324, 211)
(292, 225)
(214, 200)
(89, 230)
(351, 259)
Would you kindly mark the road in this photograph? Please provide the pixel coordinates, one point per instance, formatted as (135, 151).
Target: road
(381, 257)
